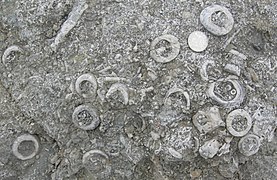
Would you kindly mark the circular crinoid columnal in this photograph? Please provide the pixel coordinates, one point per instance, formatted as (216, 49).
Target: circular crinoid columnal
(249, 145)
(85, 117)
(25, 146)
(86, 85)
(217, 19)
(177, 98)
(169, 50)
(238, 122)
(198, 41)
(9, 51)
(96, 161)
(226, 92)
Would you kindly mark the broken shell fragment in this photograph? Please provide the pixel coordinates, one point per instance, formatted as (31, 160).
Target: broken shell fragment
(208, 120)
(177, 91)
(156, 54)
(9, 50)
(238, 122)
(25, 147)
(217, 19)
(96, 161)
(249, 145)
(209, 149)
(122, 89)
(86, 85)
(198, 41)
(85, 117)
(233, 69)
(203, 70)
(226, 92)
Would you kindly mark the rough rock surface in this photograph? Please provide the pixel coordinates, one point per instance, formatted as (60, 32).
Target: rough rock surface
(145, 85)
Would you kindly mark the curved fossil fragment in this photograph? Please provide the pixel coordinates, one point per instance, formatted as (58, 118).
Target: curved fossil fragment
(9, 50)
(96, 161)
(203, 70)
(175, 90)
(122, 88)
(238, 93)
(175, 48)
(206, 19)
(86, 78)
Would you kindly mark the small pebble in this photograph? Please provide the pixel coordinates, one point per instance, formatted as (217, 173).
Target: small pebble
(198, 41)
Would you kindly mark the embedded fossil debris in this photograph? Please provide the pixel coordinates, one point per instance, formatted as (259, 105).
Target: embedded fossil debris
(198, 41)
(265, 127)
(85, 117)
(86, 86)
(156, 54)
(209, 149)
(175, 91)
(217, 19)
(96, 161)
(207, 120)
(203, 70)
(232, 68)
(25, 147)
(249, 145)
(226, 92)
(70, 23)
(8, 51)
(122, 88)
(238, 122)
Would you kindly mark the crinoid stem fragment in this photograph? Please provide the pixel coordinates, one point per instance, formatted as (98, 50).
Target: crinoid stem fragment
(236, 101)
(25, 138)
(212, 120)
(249, 145)
(203, 70)
(209, 149)
(174, 90)
(230, 122)
(95, 161)
(235, 52)
(91, 79)
(79, 7)
(174, 153)
(175, 48)
(122, 89)
(8, 51)
(206, 20)
(91, 113)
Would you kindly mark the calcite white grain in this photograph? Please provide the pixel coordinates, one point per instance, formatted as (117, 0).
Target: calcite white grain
(198, 41)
